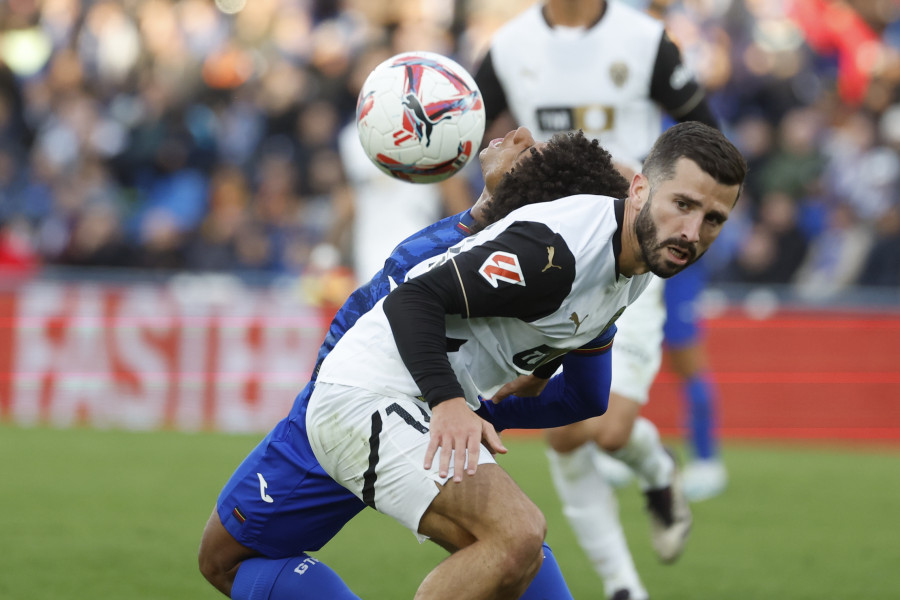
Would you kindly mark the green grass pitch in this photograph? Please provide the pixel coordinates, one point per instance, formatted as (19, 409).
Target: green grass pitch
(118, 515)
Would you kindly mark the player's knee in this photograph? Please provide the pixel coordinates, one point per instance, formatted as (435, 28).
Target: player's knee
(214, 572)
(565, 439)
(219, 555)
(613, 438)
(523, 553)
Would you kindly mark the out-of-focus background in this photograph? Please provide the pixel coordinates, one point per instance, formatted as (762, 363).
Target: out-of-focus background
(182, 208)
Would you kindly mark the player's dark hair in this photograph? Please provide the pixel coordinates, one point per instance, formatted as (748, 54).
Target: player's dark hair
(702, 144)
(569, 164)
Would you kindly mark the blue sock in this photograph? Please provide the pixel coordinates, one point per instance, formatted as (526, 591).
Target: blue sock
(698, 391)
(298, 578)
(548, 584)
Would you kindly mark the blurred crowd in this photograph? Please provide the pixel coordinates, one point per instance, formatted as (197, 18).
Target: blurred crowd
(202, 135)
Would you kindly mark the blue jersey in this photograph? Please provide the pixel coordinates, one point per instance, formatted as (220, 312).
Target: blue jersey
(682, 293)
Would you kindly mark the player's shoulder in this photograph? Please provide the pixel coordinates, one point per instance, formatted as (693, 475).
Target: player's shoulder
(583, 221)
(589, 207)
(434, 239)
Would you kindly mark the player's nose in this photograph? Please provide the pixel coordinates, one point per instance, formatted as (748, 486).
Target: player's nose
(690, 228)
(523, 136)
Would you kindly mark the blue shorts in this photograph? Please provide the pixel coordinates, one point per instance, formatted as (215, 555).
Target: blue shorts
(681, 295)
(279, 501)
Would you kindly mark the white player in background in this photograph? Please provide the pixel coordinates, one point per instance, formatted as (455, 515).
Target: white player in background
(611, 71)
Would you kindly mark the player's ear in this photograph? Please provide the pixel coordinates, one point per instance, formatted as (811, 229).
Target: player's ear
(639, 191)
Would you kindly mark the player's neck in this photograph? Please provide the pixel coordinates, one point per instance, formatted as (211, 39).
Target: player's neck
(631, 259)
(574, 13)
(477, 210)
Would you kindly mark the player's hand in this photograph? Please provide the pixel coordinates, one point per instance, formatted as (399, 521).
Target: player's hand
(458, 431)
(524, 386)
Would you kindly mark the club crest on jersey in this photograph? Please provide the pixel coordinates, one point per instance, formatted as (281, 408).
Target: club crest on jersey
(618, 72)
(502, 266)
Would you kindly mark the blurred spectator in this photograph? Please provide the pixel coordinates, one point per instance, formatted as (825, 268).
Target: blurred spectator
(882, 266)
(97, 240)
(836, 257)
(775, 246)
(212, 247)
(796, 164)
(17, 253)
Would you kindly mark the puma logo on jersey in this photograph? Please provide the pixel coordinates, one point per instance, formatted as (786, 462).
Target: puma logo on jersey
(550, 252)
(574, 318)
(502, 266)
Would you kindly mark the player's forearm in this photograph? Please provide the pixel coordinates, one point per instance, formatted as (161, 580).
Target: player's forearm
(416, 316)
(580, 392)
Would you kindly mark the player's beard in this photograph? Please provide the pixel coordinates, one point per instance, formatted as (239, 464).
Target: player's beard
(654, 252)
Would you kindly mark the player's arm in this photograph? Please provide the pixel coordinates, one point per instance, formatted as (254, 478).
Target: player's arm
(674, 87)
(475, 283)
(580, 392)
(503, 277)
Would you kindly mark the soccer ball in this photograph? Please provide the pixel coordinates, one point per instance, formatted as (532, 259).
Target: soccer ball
(420, 117)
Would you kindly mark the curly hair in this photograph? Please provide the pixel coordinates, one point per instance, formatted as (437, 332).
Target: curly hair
(568, 165)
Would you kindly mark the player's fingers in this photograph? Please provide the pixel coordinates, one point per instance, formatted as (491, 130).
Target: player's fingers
(433, 445)
(446, 454)
(473, 450)
(459, 458)
(502, 393)
(492, 440)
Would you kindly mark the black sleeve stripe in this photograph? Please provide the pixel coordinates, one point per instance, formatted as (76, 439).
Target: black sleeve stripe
(462, 287)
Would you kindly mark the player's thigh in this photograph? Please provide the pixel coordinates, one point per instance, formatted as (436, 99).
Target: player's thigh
(280, 501)
(488, 504)
(375, 446)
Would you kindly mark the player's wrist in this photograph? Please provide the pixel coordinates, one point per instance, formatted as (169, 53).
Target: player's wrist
(446, 401)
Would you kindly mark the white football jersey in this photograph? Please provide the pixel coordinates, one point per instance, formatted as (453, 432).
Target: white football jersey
(535, 285)
(596, 79)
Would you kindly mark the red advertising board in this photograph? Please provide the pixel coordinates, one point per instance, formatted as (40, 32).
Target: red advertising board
(150, 357)
(147, 356)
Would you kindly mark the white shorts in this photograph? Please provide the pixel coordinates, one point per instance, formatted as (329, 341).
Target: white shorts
(637, 349)
(374, 445)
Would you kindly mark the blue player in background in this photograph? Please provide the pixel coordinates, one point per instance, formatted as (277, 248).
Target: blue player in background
(705, 476)
(280, 504)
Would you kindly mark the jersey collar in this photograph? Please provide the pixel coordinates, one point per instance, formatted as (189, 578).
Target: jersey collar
(590, 26)
(466, 222)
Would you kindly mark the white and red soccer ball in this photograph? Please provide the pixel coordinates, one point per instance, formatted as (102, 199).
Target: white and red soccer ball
(420, 117)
